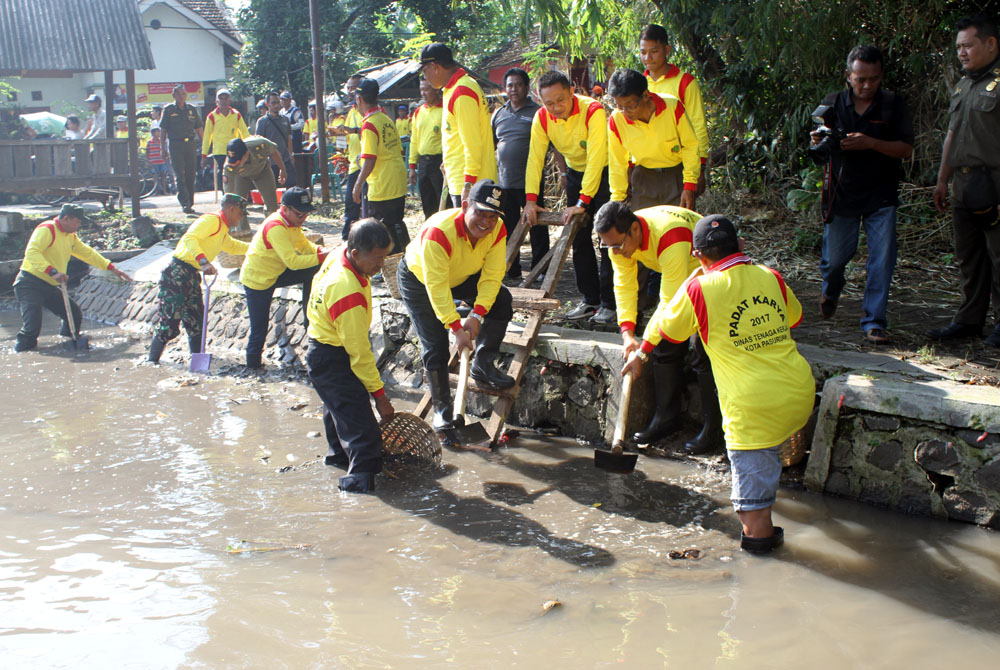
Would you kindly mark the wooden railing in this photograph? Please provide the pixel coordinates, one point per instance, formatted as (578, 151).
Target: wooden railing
(38, 165)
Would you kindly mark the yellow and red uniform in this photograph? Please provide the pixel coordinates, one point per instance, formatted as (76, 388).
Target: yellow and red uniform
(581, 139)
(49, 249)
(685, 88)
(403, 126)
(441, 256)
(425, 132)
(219, 129)
(340, 313)
(667, 140)
(205, 238)
(353, 120)
(380, 141)
(467, 137)
(276, 246)
(743, 314)
(310, 127)
(667, 232)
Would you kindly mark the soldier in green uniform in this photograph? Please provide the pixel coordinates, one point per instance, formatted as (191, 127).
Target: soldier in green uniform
(972, 155)
(183, 127)
(249, 162)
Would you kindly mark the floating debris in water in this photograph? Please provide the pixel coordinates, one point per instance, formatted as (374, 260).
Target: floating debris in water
(687, 554)
(259, 546)
(549, 606)
(313, 433)
(297, 406)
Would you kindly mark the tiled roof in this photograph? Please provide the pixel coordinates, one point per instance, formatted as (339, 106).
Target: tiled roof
(72, 36)
(511, 52)
(213, 12)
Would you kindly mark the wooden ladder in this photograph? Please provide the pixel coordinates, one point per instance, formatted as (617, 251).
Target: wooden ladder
(534, 301)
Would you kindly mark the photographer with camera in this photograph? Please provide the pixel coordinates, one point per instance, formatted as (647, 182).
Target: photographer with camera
(864, 133)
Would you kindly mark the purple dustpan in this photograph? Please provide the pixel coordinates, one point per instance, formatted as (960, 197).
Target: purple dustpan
(202, 362)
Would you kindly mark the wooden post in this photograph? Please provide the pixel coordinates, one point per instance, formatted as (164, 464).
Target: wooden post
(133, 142)
(109, 104)
(317, 62)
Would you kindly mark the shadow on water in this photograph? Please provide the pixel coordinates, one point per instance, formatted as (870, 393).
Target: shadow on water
(100, 351)
(633, 495)
(478, 519)
(896, 557)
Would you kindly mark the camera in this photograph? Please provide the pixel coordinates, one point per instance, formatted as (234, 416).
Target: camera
(829, 131)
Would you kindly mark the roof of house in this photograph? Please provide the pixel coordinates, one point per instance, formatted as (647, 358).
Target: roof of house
(72, 36)
(512, 52)
(213, 12)
(398, 71)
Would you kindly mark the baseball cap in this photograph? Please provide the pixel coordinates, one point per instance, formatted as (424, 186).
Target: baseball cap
(714, 230)
(436, 52)
(285, 95)
(121, 119)
(403, 107)
(367, 88)
(234, 199)
(235, 150)
(298, 199)
(93, 97)
(261, 103)
(179, 88)
(486, 195)
(222, 91)
(75, 211)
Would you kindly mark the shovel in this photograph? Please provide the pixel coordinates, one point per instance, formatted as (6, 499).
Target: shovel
(78, 343)
(466, 434)
(203, 361)
(615, 459)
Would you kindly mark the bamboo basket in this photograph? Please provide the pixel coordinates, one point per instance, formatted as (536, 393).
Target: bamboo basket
(793, 450)
(389, 269)
(409, 444)
(230, 261)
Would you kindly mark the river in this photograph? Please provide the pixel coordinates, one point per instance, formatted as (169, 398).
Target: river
(154, 519)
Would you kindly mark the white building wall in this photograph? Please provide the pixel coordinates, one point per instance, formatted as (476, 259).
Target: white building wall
(182, 50)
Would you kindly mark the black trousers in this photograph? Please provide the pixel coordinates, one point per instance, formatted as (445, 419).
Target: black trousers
(352, 433)
(184, 159)
(978, 254)
(430, 182)
(259, 305)
(674, 352)
(596, 285)
(34, 294)
(513, 205)
(352, 210)
(390, 213)
(432, 333)
(290, 178)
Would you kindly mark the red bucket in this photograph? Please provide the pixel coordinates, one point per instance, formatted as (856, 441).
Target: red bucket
(257, 199)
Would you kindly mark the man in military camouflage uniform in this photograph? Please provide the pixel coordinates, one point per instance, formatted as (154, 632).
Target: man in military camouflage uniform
(249, 162)
(972, 155)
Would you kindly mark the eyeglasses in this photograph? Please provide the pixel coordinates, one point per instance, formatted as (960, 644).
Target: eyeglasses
(629, 109)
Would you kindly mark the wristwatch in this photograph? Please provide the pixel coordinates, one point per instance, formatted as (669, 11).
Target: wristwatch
(642, 356)
(477, 316)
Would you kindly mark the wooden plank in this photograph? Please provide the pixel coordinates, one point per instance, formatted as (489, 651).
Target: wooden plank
(6, 161)
(514, 242)
(62, 160)
(43, 161)
(23, 162)
(532, 298)
(518, 366)
(564, 243)
(550, 218)
(119, 157)
(83, 165)
(539, 268)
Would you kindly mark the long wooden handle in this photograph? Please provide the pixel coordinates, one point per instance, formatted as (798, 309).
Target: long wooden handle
(69, 311)
(463, 384)
(618, 440)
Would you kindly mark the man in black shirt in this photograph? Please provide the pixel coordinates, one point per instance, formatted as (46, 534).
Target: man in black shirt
(512, 137)
(861, 184)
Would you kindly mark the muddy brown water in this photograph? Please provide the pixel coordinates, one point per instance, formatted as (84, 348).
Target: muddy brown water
(124, 489)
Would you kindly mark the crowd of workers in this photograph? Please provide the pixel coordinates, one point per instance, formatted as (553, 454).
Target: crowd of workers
(635, 173)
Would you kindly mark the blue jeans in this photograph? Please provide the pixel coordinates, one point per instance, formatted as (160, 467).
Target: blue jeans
(840, 242)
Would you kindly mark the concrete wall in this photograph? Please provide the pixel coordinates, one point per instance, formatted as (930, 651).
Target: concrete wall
(182, 50)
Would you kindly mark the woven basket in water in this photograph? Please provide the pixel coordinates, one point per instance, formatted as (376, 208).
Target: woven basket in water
(389, 269)
(230, 261)
(409, 445)
(793, 450)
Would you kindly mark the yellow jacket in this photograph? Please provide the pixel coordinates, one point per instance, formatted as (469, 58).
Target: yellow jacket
(667, 140)
(685, 87)
(49, 249)
(353, 120)
(205, 238)
(581, 139)
(666, 248)
(340, 313)
(379, 140)
(425, 132)
(274, 247)
(403, 127)
(441, 256)
(219, 129)
(466, 137)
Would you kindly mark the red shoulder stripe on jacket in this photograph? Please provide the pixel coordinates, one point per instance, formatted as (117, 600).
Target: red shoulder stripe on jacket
(437, 235)
(267, 228)
(679, 111)
(591, 110)
(459, 92)
(543, 119)
(52, 229)
(781, 284)
(356, 299)
(614, 128)
(682, 88)
(700, 308)
(673, 236)
(500, 237)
